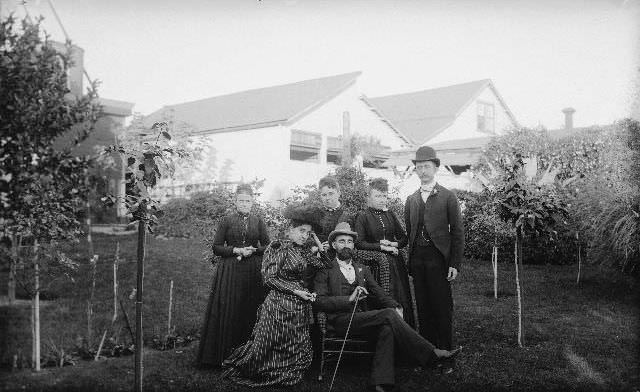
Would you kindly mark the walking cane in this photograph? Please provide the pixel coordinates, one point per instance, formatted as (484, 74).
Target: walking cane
(355, 305)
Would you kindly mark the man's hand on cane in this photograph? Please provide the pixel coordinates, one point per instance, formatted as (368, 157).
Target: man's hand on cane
(359, 292)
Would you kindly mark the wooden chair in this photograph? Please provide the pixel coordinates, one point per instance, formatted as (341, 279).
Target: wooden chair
(330, 342)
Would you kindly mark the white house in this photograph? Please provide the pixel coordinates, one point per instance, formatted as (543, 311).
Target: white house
(457, 121)
(288, 135)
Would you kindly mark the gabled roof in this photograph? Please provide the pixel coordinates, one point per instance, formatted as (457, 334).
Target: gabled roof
(258, 108)
(421, 115)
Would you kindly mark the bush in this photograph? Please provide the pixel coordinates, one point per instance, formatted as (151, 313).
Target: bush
(482, 227)
(196, 217)
(611, 195)
(354, 185)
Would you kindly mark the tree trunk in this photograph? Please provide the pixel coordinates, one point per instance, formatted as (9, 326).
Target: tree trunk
(139, 288)
(11, 284)
(36, 309)
(518, 253)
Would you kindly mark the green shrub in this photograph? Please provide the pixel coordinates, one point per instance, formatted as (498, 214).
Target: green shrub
(196, 217)
(611, 198)
(482, 227)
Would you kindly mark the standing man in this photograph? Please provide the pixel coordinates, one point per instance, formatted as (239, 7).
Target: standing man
(436, 243)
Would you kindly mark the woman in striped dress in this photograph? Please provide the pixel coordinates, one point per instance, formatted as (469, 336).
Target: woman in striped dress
(279, 350)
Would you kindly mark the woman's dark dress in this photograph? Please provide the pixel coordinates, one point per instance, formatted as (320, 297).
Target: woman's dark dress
(237, 288)
(279, 350)
(374, 225)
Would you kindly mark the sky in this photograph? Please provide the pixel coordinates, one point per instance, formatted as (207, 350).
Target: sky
(542, 55)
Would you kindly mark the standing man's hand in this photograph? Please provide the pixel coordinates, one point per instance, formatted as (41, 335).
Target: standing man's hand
(453, 273)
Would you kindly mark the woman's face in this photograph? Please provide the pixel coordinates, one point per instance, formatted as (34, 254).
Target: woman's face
(244, 203)
(300, 234)
(378, 200)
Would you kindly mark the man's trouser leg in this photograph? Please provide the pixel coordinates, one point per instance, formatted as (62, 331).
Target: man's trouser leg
(433, 296)
(377, 324)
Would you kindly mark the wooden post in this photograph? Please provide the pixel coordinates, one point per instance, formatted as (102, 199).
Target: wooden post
(142, 228)
(93, 262)
(494, 264)
(104, 335)
(579, 258)
(170, 305)
(518, 245)
(36, 308)
(115, 283)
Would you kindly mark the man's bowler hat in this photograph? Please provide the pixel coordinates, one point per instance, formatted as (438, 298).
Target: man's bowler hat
(426, 153)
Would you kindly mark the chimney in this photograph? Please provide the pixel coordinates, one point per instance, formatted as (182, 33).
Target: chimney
(568, 117)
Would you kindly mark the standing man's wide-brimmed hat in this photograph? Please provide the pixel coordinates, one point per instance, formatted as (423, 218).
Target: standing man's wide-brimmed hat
(426, 153)
(342, 228)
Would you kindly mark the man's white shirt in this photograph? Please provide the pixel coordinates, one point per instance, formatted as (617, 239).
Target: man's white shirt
(346, 267)
(426, 189)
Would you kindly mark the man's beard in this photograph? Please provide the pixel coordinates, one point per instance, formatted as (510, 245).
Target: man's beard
(344, 253)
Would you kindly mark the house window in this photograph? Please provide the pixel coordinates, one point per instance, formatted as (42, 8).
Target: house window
(486, 117)
(334, 150)
(305, 146)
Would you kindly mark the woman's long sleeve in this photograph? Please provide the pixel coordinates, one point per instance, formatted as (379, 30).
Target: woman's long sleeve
(361, 229)
(263, 234)
(400, 234)
(271, 264)
(220, 247)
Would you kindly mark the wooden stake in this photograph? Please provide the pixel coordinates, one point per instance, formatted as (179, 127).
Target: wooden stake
(115, 283)
(36, 318)
(518, 244)
(170, 305)
(579, 259)
(142, 229)
(494, 263)
(104, 335)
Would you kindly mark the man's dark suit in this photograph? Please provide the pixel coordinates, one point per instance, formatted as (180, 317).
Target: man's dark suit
(375, 318)
(431, 252)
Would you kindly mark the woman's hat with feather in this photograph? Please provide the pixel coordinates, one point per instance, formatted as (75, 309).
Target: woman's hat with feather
(301, 214)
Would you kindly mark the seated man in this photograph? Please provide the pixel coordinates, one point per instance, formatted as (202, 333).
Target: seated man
(377, 315)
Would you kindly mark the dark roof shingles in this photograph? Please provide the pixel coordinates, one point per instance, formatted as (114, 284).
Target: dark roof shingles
(259, 107)
(421, 115)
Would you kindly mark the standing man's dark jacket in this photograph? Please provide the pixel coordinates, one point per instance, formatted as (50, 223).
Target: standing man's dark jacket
(442, 220)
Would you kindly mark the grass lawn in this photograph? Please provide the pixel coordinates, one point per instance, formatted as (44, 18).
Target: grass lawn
(577, 337)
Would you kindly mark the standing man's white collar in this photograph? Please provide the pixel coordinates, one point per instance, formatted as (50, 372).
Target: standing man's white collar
(428, 187)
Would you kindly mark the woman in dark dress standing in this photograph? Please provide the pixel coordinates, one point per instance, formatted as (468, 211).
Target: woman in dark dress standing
(279, 350)
(379, 229)
(237, 288)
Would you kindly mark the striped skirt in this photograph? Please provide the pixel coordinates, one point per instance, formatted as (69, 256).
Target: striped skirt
(279, 350)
